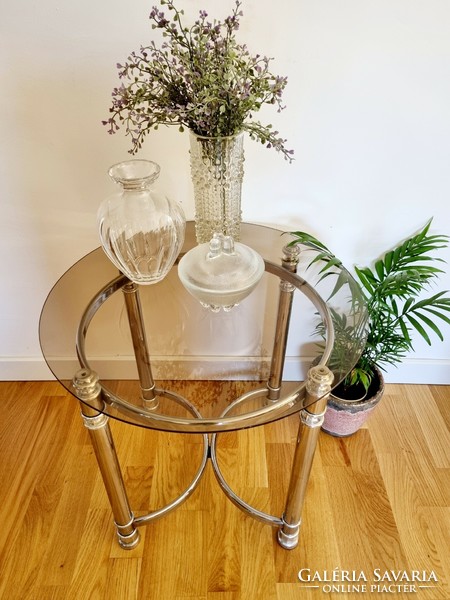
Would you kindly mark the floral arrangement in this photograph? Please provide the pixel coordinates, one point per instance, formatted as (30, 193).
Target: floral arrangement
(200, 78)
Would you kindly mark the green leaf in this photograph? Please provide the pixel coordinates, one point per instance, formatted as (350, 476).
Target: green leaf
(396, 255)
(405, 331)
(379, 268)
(438, 314)
(365, 379)
(308, 240)
(394, 307)
(425, 229)
(388, 261)
(418, 327)
(432, 300)
(363, 278)
(431, 324)
(341, 281)
(322, 256)
(408, 305)
(368, 273)
(332, 262)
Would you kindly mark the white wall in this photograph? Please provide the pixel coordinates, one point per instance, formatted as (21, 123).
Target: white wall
(367, 114)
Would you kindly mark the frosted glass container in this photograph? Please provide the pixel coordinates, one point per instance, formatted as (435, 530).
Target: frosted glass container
(140, 229)
(222, 273)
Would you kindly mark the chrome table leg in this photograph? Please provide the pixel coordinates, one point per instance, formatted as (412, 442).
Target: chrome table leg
(289, 262)
(134, 311)
(88, 389)
(318, 388)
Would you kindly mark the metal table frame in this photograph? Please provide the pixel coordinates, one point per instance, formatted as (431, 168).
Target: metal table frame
(309, 400)
(93, 397)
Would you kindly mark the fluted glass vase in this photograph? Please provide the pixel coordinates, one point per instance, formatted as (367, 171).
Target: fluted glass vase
(217, 170)
(141, 230)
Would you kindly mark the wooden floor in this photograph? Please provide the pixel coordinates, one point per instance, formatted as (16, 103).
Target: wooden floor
(377, 502)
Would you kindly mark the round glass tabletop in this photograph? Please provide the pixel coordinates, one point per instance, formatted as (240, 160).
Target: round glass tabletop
(85, 325)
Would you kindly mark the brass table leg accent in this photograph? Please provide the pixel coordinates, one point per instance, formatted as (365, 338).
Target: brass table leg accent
(87, 388)
(318, 387)
(289, 262)
(134, 311)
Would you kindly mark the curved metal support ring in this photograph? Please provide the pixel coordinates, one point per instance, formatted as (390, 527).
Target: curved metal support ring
(237, 500)
(161, 512)
(283, 407)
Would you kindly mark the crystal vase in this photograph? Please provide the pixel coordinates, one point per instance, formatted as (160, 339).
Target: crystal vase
(141, 230)
(217, 172)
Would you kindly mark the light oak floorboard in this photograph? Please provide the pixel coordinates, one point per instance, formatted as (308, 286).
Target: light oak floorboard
(377, 500)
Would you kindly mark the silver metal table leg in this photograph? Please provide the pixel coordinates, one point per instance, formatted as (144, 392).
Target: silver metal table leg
(88, 389)
(318, 387)
(134, 311)
(289, 262)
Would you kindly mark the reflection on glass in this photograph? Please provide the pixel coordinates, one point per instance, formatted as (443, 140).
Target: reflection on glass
(95, 277)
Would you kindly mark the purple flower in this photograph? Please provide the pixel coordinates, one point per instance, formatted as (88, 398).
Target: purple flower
(199, 77)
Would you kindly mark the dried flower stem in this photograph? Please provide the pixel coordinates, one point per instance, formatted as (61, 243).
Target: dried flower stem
(200, 78)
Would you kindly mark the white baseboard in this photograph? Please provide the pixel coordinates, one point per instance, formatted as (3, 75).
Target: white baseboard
(24, 369)
(414, 371)
(420, 371)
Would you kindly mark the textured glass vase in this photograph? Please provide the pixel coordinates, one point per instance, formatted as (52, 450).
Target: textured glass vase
(141, 230)
(217, 170)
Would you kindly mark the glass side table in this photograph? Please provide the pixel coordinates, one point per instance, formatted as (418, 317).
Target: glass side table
(95, 323)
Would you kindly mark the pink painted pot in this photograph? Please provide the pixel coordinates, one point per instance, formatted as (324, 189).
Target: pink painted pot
(344, 418)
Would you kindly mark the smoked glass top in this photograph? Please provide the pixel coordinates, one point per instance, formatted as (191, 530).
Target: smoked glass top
(84, 325)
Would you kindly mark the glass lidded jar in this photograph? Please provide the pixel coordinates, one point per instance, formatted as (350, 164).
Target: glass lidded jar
(141, 230)
(222, 273)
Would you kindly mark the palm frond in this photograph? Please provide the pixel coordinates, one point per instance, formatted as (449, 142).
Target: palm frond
(392, 288)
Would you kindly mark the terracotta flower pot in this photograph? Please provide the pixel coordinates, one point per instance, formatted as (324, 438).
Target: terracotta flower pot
(345, 417)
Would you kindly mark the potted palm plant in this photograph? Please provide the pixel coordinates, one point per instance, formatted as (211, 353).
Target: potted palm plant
(393, 289)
